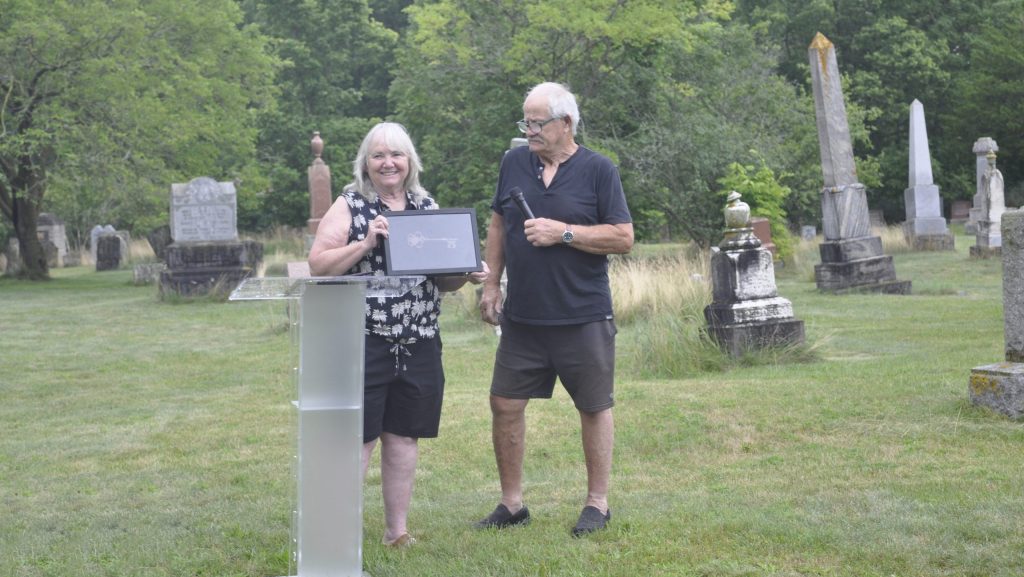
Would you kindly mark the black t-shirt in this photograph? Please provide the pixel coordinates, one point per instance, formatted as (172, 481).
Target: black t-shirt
(558, 285)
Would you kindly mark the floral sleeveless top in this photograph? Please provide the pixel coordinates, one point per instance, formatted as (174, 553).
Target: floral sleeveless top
(405, 319)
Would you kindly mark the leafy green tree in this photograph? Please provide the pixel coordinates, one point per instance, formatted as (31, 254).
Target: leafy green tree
(989, 101)
(662, 88)
(717, 101)
(338, 64)
(892, 53)
(766, 197)
(106, 103)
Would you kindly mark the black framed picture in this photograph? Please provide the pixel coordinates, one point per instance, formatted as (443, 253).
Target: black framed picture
(432, 242)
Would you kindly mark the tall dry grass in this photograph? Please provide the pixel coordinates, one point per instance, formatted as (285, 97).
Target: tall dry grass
(646, 287)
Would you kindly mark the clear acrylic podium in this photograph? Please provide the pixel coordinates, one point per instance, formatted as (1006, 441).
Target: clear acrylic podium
(328, 314)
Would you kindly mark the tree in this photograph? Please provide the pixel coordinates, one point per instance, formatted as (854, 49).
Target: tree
(989, 99)
(338, 67)
(110, 101)
(720, 103)
(468, 63)
(890, 54)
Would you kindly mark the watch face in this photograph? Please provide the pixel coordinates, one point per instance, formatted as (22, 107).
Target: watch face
(567, 236)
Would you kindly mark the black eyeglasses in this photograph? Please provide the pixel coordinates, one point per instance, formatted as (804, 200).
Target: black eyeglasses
(534, 125)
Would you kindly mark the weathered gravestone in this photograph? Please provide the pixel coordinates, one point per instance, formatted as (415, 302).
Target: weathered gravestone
(206, 255)
(1000, 386)
(988, 238)
(960, 212)
(981, 148)
(12, 260)
(52, 230)
(746, 312)
(851, 259)
(159, 239)
(762, 228)
(925, 227)
(109, 254)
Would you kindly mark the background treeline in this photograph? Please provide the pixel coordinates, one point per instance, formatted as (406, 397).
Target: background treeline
(105, 103)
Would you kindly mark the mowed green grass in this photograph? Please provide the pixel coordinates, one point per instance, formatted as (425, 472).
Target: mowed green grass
(146, 438)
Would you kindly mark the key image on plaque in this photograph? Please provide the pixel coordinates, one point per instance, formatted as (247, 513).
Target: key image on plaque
(432, 242)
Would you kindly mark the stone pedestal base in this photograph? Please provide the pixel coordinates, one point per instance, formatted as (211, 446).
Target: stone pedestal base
(741, 338)
(986, 251)
(209, 267)
(202, 281)
(857, 265)
(147, 273)
(999, 387)
(932, 242)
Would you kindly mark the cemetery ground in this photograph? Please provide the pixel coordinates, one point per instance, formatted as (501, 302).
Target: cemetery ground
(149, 438)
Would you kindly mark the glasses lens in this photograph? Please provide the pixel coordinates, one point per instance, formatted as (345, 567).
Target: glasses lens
(522, 126)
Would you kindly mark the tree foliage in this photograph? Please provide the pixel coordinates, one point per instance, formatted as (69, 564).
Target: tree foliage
(106, 103)
(338, 64)
(891, 53)
(663, 89)
(766, 196)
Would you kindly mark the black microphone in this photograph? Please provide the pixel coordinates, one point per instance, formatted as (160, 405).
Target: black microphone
(517, 195)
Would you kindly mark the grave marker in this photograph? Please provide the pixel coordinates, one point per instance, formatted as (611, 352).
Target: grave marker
(851, 259)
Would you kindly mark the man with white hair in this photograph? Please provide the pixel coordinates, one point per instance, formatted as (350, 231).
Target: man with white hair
(556, 320)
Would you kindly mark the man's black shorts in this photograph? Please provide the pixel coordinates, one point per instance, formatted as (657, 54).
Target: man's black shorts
(529, 358)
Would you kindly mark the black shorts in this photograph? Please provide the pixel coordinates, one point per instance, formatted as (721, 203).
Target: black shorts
(406, 400)
(529, 358)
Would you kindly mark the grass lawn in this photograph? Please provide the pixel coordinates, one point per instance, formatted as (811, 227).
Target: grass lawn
(148, 438)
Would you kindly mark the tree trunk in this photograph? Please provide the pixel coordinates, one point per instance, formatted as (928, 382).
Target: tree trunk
(33, 259)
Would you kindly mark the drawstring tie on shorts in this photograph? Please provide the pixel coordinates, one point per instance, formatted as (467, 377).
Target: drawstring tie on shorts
(399, 349)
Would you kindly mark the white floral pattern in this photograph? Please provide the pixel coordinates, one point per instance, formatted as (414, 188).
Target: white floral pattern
(404, 319)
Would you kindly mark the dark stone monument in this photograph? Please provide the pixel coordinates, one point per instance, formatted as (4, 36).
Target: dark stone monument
(851, 259)
(1000, 386)
(108, 252)
(159, 239)
(763, 231)
(206, 256)
(746, 312)
(959, 211)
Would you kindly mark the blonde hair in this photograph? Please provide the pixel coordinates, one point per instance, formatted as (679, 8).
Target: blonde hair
(394, 136)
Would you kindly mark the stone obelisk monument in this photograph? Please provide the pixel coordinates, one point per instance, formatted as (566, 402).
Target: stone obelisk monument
(851, 259)
(1000, 386)
(925, 227)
